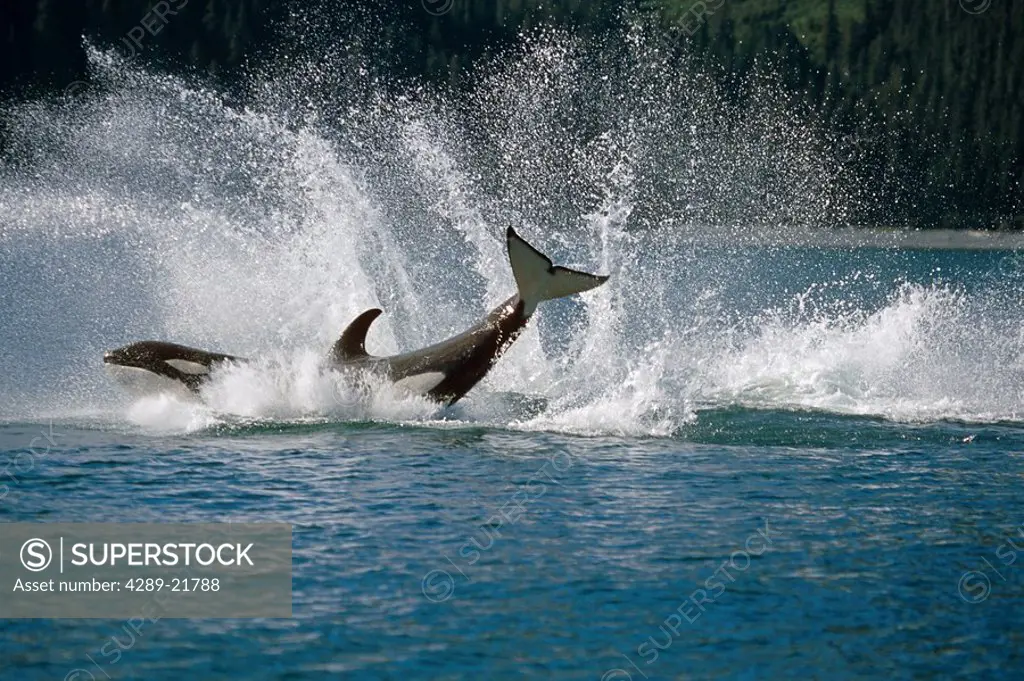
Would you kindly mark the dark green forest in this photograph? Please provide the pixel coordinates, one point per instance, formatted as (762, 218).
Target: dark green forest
(932, 91)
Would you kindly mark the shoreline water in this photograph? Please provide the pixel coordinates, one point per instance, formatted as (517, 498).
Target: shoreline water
(866, 237)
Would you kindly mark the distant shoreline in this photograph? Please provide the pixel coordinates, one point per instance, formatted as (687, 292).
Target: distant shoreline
(868, 237)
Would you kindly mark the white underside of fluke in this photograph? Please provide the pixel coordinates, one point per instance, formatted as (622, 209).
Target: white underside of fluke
(539, 279)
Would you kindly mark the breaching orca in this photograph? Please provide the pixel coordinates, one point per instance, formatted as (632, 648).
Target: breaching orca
(443, 372)
(448, 370)
(155, 366)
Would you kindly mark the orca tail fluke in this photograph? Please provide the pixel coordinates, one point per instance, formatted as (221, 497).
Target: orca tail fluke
(539, 279)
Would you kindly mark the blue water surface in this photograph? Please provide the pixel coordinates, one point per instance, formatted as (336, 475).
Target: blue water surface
(766, 535)
(840, 547)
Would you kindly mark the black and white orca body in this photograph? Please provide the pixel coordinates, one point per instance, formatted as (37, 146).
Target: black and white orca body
(447, 370)
(149, 367)
(444, 372)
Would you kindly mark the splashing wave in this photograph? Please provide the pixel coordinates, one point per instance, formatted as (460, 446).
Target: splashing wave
(147, 207)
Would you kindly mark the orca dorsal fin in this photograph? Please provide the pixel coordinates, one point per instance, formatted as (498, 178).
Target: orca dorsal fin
(352, 344)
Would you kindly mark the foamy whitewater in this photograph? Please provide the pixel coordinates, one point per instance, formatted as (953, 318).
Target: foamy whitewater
(146, 207)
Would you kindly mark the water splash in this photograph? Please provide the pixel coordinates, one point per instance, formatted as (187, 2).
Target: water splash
(150, 208)
(928, 353)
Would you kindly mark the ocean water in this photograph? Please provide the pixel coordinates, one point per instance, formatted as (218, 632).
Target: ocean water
(734, 460)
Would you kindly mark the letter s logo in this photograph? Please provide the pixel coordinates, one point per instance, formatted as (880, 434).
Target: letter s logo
(36, 555)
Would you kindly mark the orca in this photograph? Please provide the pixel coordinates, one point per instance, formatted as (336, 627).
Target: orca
(155, 366)
(443, 372)
(446, 371)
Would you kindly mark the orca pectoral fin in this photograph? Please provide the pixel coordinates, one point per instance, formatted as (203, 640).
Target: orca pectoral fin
(352, 344)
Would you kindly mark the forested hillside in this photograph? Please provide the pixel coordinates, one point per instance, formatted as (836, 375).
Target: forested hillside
(929, 92)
